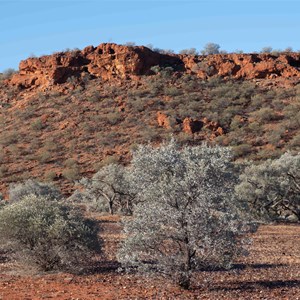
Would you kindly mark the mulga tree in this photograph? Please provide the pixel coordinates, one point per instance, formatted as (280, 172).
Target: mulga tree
(185, 218)
(109, 190)
(211, 48)
(272, 188)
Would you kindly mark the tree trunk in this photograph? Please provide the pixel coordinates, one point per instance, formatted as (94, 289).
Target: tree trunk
(185, 281)
(110, 204)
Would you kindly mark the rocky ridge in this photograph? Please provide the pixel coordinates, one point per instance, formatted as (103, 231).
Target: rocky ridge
(111, 61)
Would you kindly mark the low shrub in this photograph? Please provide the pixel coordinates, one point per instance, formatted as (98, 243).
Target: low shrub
(46, 233)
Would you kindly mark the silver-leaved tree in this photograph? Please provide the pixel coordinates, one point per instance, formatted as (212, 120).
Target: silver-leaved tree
(108, 190)
(185, 218)
(272, 188)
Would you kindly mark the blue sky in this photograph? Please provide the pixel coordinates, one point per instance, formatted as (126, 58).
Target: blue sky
(38, 27)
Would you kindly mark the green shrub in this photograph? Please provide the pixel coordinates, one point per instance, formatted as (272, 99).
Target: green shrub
(113, 118)
(264, 115)
(44, 156)
(37, 125)
(71, 173)
(295, 141)
(47, 233)
(242, 150)
(50, 175)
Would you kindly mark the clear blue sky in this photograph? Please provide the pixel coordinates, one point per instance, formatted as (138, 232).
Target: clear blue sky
(43, 26)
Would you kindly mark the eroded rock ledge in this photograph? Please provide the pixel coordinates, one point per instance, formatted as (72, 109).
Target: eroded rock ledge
(109, 61)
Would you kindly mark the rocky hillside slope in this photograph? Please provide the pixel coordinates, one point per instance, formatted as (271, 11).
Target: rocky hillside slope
(65, 115)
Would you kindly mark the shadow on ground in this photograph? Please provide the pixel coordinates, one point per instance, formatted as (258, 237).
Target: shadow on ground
(255, 266)
(254, 285)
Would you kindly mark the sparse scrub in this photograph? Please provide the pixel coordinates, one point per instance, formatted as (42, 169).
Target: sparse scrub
(242, 150)
(190, 51)
(44, 156)
(8, 138)
(275, 136)
(267, 49)
(111, 159)
(295, 141)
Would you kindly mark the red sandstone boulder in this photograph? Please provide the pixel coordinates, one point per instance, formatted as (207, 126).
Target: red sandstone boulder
(163, 120)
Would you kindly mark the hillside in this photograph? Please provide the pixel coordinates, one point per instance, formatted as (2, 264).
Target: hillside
(65, 115)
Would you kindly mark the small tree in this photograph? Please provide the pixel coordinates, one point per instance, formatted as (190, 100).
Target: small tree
(47, 233)
(210, 48)
(18, 191)
(8, 73)
(186, 218)
(109, 190)
(272, 188)
(190, 51)
(266, 50)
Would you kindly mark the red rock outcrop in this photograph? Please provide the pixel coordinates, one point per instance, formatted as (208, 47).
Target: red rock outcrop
(191, 125)
(163, 120)
(247, 66)
(109, 61)
(106, 61)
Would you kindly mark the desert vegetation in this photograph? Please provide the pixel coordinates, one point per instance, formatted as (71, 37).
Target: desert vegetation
(47, 233)
(164, 174)
(187, 209)
(185, 218)
(272, 188)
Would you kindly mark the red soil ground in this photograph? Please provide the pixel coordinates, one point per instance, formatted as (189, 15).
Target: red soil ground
(271, 271)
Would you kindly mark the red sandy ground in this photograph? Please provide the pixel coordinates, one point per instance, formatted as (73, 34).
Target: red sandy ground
(271, 271)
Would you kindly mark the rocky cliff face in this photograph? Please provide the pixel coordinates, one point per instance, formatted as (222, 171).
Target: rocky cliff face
(111, 61)
(107, 61)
